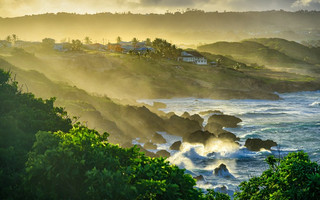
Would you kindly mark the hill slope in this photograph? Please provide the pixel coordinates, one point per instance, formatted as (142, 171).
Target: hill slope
(191, 27)
(279, 55)
(291, 48)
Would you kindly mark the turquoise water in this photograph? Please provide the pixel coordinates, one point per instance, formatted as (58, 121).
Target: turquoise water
(293, 122)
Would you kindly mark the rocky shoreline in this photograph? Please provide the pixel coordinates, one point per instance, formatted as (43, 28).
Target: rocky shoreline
(190, 128)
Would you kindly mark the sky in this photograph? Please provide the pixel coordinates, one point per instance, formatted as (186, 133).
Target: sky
(13, 8)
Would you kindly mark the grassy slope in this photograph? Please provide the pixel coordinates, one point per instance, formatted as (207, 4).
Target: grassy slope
(281, 58)
(99, 112)
(130, 77)
(125, 76)
(291, 48)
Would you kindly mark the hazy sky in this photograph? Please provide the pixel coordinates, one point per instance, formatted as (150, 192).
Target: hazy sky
(11, 8)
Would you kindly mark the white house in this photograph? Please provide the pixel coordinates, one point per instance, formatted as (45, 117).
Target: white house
(193, 57)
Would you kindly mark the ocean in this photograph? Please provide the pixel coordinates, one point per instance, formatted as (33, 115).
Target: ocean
(293, 122)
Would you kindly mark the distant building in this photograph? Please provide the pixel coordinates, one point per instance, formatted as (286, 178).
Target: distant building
(115, 47)
(144, 50)
(61, 46)
(193, 57)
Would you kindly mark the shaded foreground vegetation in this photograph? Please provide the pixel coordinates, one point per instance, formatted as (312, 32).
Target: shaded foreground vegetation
(44, 157)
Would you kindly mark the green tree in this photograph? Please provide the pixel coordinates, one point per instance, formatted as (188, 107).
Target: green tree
(87, 40)
(134, 42)
(21, 117)
(81, 164)
(165, 49)
(48, 43)
(119, 40)
(148, 42)
(76, 45)
(294, 177)
(9, 39)
(212, 195)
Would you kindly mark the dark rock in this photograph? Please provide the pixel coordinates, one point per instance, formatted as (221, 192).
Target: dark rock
(211, 154)
(143, 140)
(170, 114)
(229, 136)
(213, 127)
(146, 152)
(180, 126)
(208, 112)
(197, 118)
(257, 144)
(159, 105)
(224, 190)
(222, 171)
(185, 115)
(163, 153)
(150, 145)
(194, 117)
(127, 145)
(199, 178)
(144, 123)
(176, 145)
(157, 138)
(225, 120)
(199, 137)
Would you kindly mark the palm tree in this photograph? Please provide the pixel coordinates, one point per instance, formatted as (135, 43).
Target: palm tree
(87, 40)
(8, 38)
(134, 42)
(119, 39)
(148, 42)
(14, 39)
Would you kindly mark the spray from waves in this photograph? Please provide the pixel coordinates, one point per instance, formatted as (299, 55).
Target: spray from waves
(315, 104)
(189, 153)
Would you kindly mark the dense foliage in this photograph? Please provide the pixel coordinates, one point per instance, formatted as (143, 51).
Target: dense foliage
(80, 164)
(21, 117)
(164, 49)
(291, 178)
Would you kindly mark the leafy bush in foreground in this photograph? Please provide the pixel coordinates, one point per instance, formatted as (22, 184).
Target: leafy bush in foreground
(80, 164)
(291, 178)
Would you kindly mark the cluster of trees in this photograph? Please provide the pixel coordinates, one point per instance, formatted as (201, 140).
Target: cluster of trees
(44, 156)
(292, 178)
(10, 40)
(160, 48)
(21, 116)
(164, 49)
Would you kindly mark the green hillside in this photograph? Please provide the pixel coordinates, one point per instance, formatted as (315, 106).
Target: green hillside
(126, 76)
(190, 27)
(275, 54)
(291, 48)
(245, 70)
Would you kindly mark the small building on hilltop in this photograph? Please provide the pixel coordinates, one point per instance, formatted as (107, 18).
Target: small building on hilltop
(193, 57)
(115, 47)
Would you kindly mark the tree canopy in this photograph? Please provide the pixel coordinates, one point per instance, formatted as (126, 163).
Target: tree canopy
(294, 177)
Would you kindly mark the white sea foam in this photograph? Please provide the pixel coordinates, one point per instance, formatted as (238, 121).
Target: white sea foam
(292, 122)
(316, 103)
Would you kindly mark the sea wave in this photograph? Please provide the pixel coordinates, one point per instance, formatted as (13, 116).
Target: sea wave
(315, 104)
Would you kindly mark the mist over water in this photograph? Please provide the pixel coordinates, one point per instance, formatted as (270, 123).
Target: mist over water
(293, 122)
